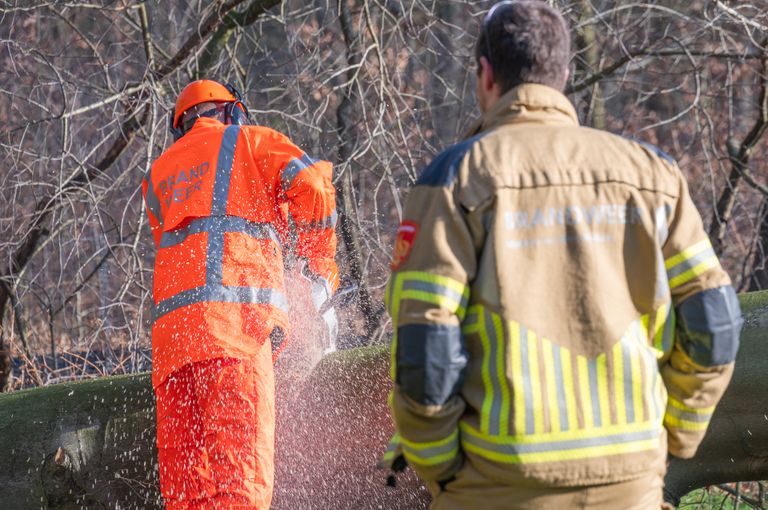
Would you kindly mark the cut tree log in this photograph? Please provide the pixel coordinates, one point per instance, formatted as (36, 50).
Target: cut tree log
(91, 444)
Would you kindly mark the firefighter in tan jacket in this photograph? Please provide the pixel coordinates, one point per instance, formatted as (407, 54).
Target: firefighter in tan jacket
(562, 323)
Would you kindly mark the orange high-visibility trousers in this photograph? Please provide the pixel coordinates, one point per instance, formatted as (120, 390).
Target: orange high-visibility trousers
(215, 434)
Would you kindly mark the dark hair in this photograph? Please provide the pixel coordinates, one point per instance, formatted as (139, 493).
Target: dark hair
(526, 41)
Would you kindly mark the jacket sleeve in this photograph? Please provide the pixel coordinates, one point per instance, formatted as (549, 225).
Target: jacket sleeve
(427, 295)
(708, 323)
(306, 187)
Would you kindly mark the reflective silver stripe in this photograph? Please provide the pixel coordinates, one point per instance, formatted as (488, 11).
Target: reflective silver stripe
(224, 171)
(220, 294)
(511, 448)
(627, 345)
(669, 330)
(471, 320)
(527, 390)
(492, 358)
(662, 232)
(660, 217)
(560, 384)
(430, 452)
(214, 261)
(593, 385)
(293, 168)
(434, 288)
(153, 203)
(690, 263)
(226, 224)
(688, 416)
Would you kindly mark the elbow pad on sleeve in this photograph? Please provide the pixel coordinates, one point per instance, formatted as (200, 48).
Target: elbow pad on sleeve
(430, 362)
(709, 324)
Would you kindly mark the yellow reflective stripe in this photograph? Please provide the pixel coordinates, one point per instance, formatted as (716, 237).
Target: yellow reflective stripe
(584, 392)
(588, 452)
(555, 447)
(703, 411)
(394, 286)
(445, 297)
(435, 299)
(536, 406)
(486, 376)
(519, 409)
(563, 435)
(431, 453)
(658, 328)
(570, 392)
(687, 418)
(501, 375)
(551, 387)
(618, 384)
(392, 447)
(637, 380)
(602, 389)
(690, 263)
(686, 254)
(695, 271)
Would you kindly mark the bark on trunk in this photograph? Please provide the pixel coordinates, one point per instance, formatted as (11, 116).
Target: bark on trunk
(91, 444)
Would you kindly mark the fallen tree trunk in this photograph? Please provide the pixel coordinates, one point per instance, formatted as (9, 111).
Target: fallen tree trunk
(91, 444)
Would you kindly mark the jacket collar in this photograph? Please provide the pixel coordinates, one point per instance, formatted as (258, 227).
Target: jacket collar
(529, 102)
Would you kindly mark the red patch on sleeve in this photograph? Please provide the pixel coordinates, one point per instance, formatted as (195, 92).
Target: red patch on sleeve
(406, 235)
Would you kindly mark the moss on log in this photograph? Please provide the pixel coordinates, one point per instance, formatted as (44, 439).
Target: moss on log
(91, 444)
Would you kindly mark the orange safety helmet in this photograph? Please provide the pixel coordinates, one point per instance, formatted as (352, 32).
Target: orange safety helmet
(201, 91)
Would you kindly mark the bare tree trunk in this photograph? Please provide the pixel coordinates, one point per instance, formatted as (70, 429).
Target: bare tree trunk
(740, 155)
(758, 280)
(348, 218)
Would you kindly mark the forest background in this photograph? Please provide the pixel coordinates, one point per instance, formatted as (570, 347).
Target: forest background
(378, 87)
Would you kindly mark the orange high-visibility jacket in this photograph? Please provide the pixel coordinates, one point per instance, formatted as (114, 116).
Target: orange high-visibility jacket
(222, 202)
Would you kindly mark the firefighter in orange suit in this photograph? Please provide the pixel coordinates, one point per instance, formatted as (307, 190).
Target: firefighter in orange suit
(225, 203)
(562, 322)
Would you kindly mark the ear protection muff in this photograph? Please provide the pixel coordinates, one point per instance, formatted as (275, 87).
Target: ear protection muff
(236, 112)
(176, 132)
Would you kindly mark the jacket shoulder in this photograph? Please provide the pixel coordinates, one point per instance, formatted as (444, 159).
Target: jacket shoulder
(444, 169)
(648, 147)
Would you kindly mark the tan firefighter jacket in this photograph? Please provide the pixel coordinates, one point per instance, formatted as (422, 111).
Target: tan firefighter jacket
(560, 316)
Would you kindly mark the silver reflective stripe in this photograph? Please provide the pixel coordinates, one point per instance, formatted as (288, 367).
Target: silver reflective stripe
(688, 416)
(214, 262)
(153, 203)
(428, 453)
(593, 385)
(559, 382)
(627, 348)
(669, 330)
(293, 168)
(224, 171)
(662, 232)
(227, 224)
(690, 263)
(221, 294)
(571, 444)
(527, 390)
(434, 288)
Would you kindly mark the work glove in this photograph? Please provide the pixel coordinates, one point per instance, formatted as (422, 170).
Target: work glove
(322, 299)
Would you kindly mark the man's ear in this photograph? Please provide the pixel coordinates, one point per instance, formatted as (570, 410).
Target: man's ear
(486, 74)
